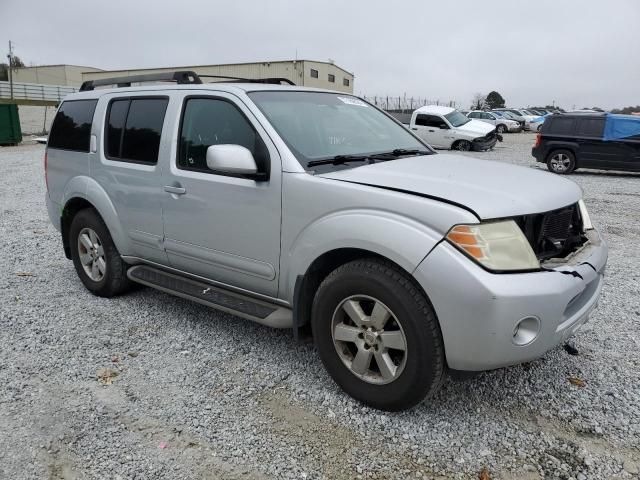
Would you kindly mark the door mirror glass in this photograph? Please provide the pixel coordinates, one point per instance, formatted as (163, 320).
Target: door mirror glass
(232, 159)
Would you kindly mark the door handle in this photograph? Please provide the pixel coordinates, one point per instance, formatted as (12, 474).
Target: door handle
(414, 128)
(175, 190)
(432, 130)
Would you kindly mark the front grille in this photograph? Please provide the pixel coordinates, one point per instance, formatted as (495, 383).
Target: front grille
(553, 234)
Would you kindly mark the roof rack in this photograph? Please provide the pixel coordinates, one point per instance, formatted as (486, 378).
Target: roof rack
(182, 77)
(271, 80)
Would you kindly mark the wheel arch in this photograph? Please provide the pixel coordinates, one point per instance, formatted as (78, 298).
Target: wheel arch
(307, 283)
(85, 192)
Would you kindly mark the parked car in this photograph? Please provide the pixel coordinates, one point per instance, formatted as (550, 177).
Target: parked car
(314, 210)
(577, 140)
(447, 128)
(510, 116)
(517, 114)
(502, 124)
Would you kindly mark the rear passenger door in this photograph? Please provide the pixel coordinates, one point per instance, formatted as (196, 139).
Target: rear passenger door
(132, 141)
(595, 152)
(220, 226)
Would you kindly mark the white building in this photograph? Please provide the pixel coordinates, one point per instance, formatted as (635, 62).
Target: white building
(307, 73)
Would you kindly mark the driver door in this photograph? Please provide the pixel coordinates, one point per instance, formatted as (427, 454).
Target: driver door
(221, 226)
(432, 129)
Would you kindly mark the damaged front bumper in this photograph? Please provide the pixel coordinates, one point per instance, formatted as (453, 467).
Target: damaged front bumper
(485, 143)
(480, 313)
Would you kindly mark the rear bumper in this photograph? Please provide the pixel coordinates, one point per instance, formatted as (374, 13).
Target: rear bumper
(538, 154)
(478, 311)
(54, 211)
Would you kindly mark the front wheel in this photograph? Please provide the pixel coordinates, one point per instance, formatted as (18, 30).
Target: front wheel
(501, 129)
(377, 335)
(462, 145)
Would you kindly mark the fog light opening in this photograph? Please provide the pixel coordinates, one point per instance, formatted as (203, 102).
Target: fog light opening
(526, 330)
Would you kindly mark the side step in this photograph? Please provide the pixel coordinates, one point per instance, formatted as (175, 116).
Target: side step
(243, 306)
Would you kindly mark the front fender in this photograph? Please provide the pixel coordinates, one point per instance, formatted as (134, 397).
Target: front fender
(88, 189)
(395, 237)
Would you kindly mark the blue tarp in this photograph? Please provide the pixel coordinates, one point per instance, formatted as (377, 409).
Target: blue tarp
(617, 127)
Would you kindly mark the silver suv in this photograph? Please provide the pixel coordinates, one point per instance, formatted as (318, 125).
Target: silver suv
(313, 210)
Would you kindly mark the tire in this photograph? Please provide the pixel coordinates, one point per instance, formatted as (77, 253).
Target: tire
(501, 128)
(561, 162)
(462, 145)
(411, 374)
(95, 257)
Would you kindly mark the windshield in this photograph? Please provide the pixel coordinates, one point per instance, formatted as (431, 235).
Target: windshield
(456, 118)
(317, 126)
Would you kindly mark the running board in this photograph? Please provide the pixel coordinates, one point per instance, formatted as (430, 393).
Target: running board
(274, 316)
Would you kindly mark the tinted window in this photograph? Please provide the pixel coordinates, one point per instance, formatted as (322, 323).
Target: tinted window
(562, 126)
(473, 115)
(209, 121)
(591, 127)
(134, 127)
(71, 129)
(115, 125)
(430, 121)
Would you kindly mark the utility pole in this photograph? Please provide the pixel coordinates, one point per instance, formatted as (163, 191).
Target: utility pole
(10, 57)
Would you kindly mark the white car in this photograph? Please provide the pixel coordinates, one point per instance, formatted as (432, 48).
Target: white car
(447, 128)
(502, 124)
(535, 121)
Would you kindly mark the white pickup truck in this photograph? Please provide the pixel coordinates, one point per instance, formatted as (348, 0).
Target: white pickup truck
(447, 128)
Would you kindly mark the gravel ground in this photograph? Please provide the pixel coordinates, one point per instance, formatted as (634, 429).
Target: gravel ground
(202, 394)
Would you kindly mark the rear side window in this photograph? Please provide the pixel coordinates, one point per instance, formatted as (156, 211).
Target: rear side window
(562, 126)
(133, 129)
(71, 129)
(591, 127)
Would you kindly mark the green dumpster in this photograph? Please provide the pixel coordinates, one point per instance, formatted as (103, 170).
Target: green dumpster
(10, 133)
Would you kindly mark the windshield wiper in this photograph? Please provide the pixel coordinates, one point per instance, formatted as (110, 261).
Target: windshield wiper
(339, 160)
(382, 156)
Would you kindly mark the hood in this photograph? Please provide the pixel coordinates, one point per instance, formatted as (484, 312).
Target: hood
(490, 189)
(477, 127)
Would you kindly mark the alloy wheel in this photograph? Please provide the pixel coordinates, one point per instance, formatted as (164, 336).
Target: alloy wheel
(560, 162)
(91, 253)
(369, 339)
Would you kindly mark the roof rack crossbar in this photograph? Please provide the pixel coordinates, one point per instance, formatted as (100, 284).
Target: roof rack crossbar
(182, 77)
(275, 80)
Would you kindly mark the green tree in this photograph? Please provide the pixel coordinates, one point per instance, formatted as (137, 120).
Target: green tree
(495, 100)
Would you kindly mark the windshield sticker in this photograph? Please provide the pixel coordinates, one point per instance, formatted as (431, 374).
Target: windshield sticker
(352, 101)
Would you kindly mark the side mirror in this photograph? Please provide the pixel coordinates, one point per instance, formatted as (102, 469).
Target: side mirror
(444, 126)
(234, 159)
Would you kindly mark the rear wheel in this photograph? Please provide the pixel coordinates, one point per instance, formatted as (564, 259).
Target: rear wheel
(377, 335)
(462, 145)
(562, 162)
(95, 256)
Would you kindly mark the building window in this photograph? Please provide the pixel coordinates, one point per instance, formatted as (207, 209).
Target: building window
(345, 82)
(314, 73)
(332, 78)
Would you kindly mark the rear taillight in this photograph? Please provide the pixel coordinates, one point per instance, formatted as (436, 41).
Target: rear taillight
(46, 178)
(538, 140)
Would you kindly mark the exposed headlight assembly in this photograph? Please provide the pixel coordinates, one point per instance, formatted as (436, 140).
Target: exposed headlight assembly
(586, 219)
(498, 246)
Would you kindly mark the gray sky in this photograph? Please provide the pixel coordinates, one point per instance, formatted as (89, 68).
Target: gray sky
(576, 52)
